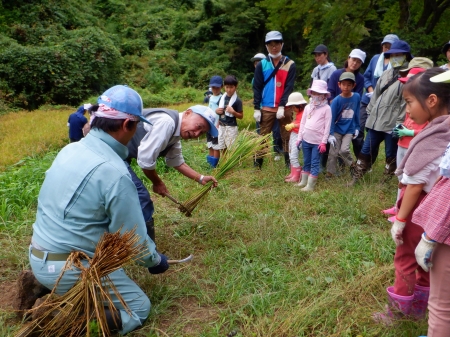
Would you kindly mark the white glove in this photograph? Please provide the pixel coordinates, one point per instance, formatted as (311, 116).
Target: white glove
(280, 112)
(356, 134)
(332, 140)
(397, 231)
(369, 94)
(257, 115)
(423, 252)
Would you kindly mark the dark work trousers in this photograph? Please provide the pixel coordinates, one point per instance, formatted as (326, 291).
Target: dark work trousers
(144, 195)
(359, 141)
(276, 135)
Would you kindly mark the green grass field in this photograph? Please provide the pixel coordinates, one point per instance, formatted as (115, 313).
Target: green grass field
(269, 259)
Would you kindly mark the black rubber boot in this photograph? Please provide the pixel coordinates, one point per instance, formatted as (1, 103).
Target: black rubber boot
(113, 320)
(358, 169)
(287, 161)
(151, 228)
(258, 163)
(391, 166)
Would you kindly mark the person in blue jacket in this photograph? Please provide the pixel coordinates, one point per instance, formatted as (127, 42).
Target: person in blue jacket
(75, 123)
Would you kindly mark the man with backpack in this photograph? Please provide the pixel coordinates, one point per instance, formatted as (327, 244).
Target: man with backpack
(273, 83)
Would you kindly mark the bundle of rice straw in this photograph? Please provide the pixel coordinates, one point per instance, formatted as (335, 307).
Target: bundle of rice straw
(71, 313)
(246, 145)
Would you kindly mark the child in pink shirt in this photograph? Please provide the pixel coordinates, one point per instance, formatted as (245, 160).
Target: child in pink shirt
(314, 131)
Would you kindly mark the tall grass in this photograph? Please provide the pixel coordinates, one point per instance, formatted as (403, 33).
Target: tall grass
(269, 260)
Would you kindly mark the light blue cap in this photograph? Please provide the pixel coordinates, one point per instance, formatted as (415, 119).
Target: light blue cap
(274, 36)
(124, 99)
(209, 115)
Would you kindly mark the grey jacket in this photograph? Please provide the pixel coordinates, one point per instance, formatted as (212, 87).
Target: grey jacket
(386, 109)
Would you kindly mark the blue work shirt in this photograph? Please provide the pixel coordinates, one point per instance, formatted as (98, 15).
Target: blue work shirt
(86, 192)
(75, 123)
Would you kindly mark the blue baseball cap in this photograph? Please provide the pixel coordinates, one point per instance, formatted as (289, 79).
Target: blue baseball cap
(399, 46)
(124, 99)
(209, 115)
(216, 81)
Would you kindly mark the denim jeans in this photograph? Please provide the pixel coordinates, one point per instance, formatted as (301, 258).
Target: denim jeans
(311, 158)
(373, 141)
(144, 196)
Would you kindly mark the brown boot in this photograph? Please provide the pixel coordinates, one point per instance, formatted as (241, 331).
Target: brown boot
(359, 168)
(28, 291)
(389, 168)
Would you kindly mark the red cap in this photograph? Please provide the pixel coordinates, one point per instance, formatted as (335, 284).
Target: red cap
(412, 72)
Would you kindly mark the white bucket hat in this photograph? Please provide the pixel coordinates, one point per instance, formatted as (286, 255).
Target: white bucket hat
(296, 98)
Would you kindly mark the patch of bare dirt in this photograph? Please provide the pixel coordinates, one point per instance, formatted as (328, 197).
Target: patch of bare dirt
(189, 315)
(8, 292)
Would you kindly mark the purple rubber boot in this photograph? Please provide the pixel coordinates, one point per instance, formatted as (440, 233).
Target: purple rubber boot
(420, 302)
(397, 308)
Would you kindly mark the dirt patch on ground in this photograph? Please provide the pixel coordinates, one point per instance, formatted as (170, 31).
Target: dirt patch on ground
(8, 292)
(189, 315)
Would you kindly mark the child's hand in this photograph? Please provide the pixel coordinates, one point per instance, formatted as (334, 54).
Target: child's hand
(397, 231)
(322, 147)
(424, 251)
(289, 127)
(230, 110)
(219, 111)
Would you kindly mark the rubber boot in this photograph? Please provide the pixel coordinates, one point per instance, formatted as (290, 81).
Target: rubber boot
(287, 161)
(311, 184)
(420, 301)
(295, 176)
(359, 168)
(304, 180)
(290, 174)
(150, 225)
(113, 320)
(212, 161)
(389, 168)
(258, 163)
(398, 307)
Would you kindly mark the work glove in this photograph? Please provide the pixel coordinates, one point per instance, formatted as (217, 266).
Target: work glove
(332, 140)
(355, 135)
(289, 127)
(161, 267)
(403, 132)
(322, 148)
(257, 115)
(423, 252)
(397, 231)
(369, 94)
(280, 112)
(299, 145)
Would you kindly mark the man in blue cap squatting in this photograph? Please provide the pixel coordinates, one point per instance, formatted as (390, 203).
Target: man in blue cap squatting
(87, 192)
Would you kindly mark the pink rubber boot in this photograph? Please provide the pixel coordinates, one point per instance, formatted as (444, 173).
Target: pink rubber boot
(290, 174)
(390, 211)
(420, 301)
(296, 176)
(397, 308)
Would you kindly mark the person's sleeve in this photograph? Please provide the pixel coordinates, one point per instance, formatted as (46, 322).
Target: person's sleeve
(368, 74)
(327, 127)
(332, 85)
(123, 209)
(154, 142)
(356, 115)
(423, 176)
(174, 156)
(334, 113)
(258, 86)
(402, 111)
(359, 84)
(302, 123)
(289, 85)
(237, 106)
(376, 93)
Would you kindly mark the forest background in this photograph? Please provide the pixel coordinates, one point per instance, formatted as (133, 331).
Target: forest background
(63, 52)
